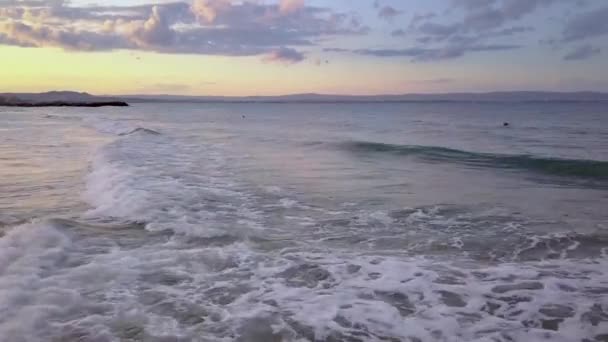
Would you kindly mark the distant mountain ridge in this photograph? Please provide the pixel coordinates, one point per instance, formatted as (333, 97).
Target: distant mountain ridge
(515, 96)
(57, 98)
(72, 98)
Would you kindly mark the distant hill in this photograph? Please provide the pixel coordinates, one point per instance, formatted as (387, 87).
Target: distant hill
(511, 97)
(57, 98)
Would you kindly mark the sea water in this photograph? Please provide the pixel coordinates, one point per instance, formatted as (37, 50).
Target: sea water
(304, 222)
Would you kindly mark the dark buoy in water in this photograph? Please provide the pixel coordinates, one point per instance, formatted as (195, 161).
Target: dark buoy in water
(243, 116)
(505, 124)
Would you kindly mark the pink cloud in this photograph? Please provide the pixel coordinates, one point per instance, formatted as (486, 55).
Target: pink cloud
(284, 55)
(208, 10)
(290, 6)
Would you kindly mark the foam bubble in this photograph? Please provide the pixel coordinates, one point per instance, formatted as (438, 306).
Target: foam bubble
(273, 189)
(288, 203)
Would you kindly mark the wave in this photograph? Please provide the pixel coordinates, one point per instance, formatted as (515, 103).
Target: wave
(118, 127)
(563, 246)
(582, 168)
(141, 130)
(61, 117)
(167, 184)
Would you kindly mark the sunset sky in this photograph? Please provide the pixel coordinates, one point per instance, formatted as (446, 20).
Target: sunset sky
(223, 47)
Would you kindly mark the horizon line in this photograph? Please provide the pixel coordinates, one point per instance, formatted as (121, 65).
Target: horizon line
(490, 92)
(378, 94)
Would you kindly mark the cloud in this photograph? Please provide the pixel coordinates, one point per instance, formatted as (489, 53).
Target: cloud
(587, 25)
(473, 4)
(284, 55)
(434, 29)
(421, 17)
(290, 6)
(480, 17)
(210, 27)
(17, 33)
(420, 54)
(398, 33)
(320, 62)
(276, 29)
(495, 12)
(478, 25)
(208, 10)
(337, 50)
(388, 12)
(582, 52)
(509, 31)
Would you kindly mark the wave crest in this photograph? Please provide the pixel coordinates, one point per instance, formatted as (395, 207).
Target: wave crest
(581, 168)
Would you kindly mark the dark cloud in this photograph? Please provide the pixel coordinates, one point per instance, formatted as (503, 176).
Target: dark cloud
(284, 55)
(481, 17)
(441, 30)
(453, 34)
(336, 50)
(479, 26)
(389, 12)
(509, 31)
(421, 54)
(503, 10)
(587, 25)
(493, 15)
(409, 52)
(419, 17)
(473, 4)
(582, 52)
(398, 33)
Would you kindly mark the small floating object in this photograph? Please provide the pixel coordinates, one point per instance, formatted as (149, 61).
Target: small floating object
(505, 124)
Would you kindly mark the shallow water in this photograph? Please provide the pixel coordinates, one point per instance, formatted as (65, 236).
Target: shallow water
(304, 222)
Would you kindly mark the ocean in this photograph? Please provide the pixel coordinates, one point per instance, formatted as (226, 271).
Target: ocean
(305, 222)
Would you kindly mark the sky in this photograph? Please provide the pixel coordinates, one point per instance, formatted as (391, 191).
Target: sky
(273, 47)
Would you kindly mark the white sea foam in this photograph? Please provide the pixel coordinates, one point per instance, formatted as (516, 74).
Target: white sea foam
(29, 296)
(288, 203)
(415, 299)
(58, 284)
(166, 185)
(68, 283)
(273, 189)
